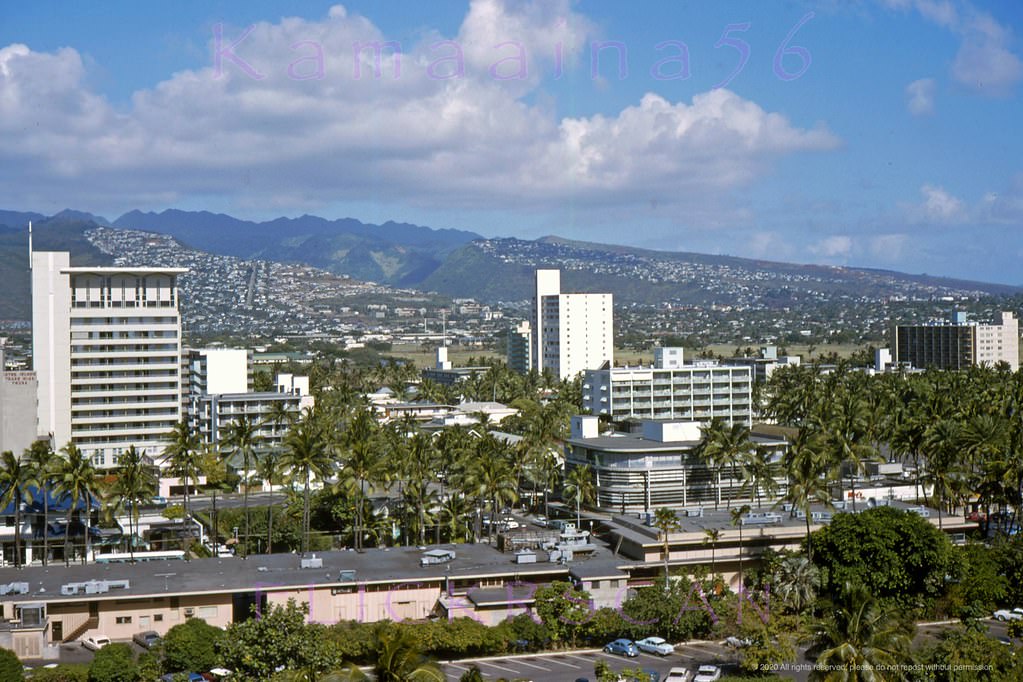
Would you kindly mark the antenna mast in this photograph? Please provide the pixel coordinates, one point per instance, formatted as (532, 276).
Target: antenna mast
(30, 245)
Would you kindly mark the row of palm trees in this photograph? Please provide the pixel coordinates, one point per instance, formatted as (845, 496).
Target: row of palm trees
(48, 479)
(959, 433)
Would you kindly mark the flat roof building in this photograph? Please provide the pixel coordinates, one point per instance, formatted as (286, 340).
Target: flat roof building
(670, 390)
(570, 332)
(958, 344)
(106, 345)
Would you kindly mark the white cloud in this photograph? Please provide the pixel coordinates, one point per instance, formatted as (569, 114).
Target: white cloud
(834, 247)
(939, 206)
(920, 97)
(985, 61)
(888, 248)
(417, 138)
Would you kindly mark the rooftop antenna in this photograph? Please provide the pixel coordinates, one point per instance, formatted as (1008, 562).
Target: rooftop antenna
(30, 245)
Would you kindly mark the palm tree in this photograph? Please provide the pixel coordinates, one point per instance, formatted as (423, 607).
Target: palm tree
(494, 477)
(758, 473)
(74, 481)
(848, 430)
(667, 522)
(712, 537)
(722, 447)
(362, 464)
(304, 457)
(737, 516)
(41, 459)
(795, 582)
(135, 482)
(182, 457)
(810, 473)
(398, 660)
(861, 640)
(241, 438)
(15, 476)
(270, 468)
(580, 488)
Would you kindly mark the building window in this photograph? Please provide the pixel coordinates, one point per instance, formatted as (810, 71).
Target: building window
(157, 617)
(123, 620)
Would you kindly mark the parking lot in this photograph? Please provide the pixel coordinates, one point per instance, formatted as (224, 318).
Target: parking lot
(560, 667)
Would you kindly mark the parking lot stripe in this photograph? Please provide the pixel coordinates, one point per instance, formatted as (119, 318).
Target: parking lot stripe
(455, 665)
(565, 663)
(578, 658)
(533, 665)
(499, 667)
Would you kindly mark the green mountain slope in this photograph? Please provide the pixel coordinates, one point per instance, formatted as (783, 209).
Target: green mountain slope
(60, 233)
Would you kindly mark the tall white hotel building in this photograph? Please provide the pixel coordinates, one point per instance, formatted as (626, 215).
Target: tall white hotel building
(106, 344)
(570, 332)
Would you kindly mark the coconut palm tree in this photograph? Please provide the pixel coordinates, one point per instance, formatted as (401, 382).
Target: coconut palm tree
(41, 460)
(75, 481)
(305, 456)
(242, 438)
(579, 488)
(758, 473)
(135, 482)
(362, 464)
(398, 660)
(847, 430)
(712, 537)
(861, 640)
(810, 474)
(796, 582)
(737, 517)
(666, 521)
(723, 447)
(270, 468)
(182, 457)
(493, 477)
(15, 477)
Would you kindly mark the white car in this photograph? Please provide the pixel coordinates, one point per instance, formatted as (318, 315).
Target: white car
(679, 675)
(1006, 614)
(96, 642)
(707, 673)
(738, 642)
(655, 645)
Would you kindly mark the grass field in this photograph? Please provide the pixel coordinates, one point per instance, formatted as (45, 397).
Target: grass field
(424, 356)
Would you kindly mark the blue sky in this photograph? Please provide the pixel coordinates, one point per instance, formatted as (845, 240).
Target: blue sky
(898, 146)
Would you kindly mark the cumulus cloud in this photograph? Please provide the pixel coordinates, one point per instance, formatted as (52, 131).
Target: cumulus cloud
(834, 247)
(293, 115)
(920, 97)
(938, 206)
(985, 61)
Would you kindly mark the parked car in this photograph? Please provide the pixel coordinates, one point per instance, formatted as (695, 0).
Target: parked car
(1006, 614)
(147, 639)
(738, 642)
(622, 647)
(159, 502)
(96, 642)
(655, 645)
(679, 675)
(540, 520)
(707, 673)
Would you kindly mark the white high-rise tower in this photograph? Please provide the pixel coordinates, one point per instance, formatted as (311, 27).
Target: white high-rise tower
(571, 332)
(106, 344)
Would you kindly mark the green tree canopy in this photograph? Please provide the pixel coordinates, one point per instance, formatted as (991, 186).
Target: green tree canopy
(192, 645)
(897, 555)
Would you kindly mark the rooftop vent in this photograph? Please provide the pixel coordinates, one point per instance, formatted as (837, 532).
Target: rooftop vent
(14, 588)
(312, 562)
